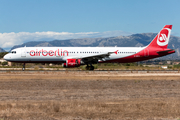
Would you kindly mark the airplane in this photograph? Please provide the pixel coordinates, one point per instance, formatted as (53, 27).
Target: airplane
(71, 57)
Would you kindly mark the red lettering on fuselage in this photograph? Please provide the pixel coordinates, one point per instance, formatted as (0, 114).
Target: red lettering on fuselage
(51, 53)
(56, 53)
(44, 52)
(48, 53)
(65, 51)
(32, 53)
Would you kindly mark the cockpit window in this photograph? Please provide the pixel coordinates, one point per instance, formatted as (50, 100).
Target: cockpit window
(13, 52)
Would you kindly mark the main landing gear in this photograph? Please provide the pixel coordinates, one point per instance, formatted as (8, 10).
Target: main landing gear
(89, 67)
(23, 67)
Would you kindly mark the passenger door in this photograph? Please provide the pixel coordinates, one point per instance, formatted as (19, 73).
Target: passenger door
(146, 52)
(23, 52)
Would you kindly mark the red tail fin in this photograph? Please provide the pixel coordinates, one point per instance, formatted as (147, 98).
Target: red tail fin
(162, 38)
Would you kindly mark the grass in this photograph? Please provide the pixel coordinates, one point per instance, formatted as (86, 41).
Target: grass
(84, 75)
(98, 96)
(134, 109)
(36, 68)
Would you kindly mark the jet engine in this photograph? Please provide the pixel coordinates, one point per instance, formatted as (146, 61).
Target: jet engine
(70, 63)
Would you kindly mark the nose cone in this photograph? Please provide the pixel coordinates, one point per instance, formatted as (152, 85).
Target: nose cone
(7, 57)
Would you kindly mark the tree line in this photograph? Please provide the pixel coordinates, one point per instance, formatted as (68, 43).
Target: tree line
(2, 54)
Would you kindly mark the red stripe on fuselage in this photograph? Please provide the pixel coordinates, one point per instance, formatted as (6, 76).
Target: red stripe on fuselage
(140, 56)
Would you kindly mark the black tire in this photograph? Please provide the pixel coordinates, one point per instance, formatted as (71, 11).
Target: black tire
(87, 67)
(92, 68)
(23, 67)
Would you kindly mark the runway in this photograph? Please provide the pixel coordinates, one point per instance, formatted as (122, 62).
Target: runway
(98, 72)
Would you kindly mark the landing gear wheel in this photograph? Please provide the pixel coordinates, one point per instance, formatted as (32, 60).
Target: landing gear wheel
(91, 68)
(87, 67)
(23, 67)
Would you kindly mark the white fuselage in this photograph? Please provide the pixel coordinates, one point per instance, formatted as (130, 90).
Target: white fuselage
(61, 54)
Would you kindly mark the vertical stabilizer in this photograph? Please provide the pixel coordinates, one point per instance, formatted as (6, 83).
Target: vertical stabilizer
(162, 38)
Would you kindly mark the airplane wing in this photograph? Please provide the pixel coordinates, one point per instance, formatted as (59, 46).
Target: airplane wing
(94, 57)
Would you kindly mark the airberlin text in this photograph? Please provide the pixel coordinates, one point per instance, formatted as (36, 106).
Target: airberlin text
(42, 52)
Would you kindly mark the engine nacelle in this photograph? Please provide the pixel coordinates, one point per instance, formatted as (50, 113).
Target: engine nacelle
(70, 63)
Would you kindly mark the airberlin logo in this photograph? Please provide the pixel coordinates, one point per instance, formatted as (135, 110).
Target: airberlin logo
(42, 52)
(163, 37)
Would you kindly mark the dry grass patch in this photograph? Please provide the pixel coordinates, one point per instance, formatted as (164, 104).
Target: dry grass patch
(41, 76)
(124, 109)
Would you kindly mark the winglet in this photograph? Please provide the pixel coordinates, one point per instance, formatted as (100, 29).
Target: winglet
(116, 51)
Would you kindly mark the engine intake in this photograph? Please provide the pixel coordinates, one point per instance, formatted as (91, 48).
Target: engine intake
(70, 63)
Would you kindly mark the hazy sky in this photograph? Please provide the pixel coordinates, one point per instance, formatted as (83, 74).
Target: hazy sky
(29, 20)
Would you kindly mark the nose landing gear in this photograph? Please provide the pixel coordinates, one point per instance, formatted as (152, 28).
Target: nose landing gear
(23, 67)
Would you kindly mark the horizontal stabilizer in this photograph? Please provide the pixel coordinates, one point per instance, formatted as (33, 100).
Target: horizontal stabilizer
(166, 51)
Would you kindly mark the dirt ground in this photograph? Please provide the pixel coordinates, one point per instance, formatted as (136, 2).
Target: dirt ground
(89, 96)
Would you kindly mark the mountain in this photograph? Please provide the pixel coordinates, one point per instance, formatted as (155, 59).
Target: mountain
(120, 41)
(135, 40)
(2, 50)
